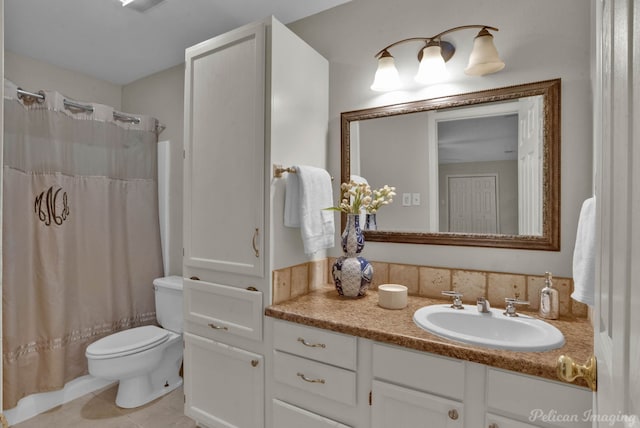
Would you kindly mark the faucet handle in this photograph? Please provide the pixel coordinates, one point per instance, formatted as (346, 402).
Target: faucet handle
(510, 309)
(457, 298)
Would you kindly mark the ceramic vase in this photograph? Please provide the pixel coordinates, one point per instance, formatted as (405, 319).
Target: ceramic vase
(352, 274)
(370, 222)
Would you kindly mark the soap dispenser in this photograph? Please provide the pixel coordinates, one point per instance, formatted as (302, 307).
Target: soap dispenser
(549, 303)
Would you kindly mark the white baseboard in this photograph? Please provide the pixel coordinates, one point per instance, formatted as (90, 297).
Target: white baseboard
(35, 404)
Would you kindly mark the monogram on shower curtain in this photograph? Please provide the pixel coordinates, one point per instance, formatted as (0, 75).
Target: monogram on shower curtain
(81, 236)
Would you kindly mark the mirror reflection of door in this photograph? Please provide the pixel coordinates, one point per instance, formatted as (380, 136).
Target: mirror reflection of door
(472, 203)
(530, 166)
(479, 143)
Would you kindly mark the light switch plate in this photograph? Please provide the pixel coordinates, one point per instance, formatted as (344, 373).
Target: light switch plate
(406, 199)
(415, 198)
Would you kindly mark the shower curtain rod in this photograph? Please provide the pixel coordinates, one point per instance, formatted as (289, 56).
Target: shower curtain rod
(40, 97)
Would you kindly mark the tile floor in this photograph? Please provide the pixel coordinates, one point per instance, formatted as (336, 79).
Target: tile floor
(98, 410)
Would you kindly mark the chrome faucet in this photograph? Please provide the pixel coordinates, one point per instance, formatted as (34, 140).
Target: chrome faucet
(457, 299)
(483, 305)
(510, 309)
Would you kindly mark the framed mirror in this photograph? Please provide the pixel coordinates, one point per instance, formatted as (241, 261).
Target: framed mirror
(475, 169)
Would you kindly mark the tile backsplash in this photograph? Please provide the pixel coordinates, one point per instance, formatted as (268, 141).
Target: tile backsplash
(430, 281)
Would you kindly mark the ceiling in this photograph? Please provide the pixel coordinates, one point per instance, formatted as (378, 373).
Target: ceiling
(120, 45)
(483, 139)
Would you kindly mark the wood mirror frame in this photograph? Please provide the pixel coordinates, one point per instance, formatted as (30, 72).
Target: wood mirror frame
(550, 238)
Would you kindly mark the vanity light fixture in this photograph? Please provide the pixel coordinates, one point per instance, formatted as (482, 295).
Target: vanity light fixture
(484, 59)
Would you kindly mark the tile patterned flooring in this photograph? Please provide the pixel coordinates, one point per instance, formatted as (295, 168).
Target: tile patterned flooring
(98, 410)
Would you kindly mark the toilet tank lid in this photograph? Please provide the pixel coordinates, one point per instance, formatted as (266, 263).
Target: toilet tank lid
(174, 282)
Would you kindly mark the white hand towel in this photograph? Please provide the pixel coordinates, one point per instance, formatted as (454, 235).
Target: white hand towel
(292, 201)
(584, 255)
(305, 208)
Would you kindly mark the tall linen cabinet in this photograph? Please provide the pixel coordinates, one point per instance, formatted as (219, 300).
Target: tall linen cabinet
(254, 97)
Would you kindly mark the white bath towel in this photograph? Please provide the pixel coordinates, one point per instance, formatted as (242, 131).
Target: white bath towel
(584, 254)
(308, 192)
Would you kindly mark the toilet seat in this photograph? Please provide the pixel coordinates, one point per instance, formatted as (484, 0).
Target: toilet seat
(127, 342)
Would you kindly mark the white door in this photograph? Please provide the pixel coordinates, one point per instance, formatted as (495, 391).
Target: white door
(472, 202)
(617, 189)
(224, 153)
(530, 166)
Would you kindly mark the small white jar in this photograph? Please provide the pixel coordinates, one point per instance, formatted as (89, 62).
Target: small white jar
(392, 296)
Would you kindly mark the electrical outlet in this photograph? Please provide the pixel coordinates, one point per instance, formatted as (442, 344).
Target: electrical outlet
(415, 198)
(406, 199)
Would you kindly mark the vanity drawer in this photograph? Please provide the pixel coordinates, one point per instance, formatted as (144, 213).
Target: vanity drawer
(287, 415)
(320, 345)
(222, 310)
(419, 370)
(327, 381)
(514, 394)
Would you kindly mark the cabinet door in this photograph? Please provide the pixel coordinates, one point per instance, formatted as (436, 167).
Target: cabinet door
(223, 385)
(398, 407)
(224, 152)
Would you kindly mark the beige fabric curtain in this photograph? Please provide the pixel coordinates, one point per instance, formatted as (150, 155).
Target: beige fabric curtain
(81, 237)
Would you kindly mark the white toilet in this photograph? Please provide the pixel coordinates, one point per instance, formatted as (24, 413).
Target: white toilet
(146, 360)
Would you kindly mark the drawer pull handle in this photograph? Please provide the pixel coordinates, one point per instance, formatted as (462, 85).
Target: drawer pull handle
(493, 425)
(453, 414)
(311, 345)
(217, 327)
(194, 278)
(255, 244)
(306, 379)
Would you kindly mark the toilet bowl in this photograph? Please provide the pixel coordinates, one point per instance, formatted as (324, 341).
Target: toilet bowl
(145, 360)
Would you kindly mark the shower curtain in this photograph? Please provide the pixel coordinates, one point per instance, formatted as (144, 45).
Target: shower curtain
(81, 237)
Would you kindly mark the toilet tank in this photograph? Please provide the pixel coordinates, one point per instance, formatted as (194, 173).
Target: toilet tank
(168, 292)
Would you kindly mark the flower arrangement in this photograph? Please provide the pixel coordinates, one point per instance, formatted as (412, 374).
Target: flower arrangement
(356, 197)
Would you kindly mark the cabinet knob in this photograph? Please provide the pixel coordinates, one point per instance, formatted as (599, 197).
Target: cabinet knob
(254, 363)
(453, 414)
(568, 370)
(493, 425)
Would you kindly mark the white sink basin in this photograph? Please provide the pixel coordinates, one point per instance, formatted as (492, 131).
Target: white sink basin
(491, 330)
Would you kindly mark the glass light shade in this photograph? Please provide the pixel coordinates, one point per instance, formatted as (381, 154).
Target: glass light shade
(387, 77)
(484, 58)
(432, 68)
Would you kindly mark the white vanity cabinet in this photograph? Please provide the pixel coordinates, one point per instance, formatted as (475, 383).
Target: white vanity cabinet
(522, 400)
(310, 366)
(411, 389)
(224, 152)
(320, 378)
(222, 384)
(419, 389)
(248, 105)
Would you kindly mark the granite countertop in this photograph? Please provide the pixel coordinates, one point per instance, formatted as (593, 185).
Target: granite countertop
(363, 317)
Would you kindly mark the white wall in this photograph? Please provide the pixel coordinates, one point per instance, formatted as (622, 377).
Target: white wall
(161, 95)
(406, 170)
(33, 75)
(538, 40)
